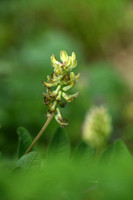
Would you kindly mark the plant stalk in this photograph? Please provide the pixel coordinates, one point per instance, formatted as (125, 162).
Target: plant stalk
(40, 133)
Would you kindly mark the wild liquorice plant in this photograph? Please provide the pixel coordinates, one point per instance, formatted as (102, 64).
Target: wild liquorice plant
(57, 87)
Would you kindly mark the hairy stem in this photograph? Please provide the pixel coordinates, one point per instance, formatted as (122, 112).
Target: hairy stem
(40, 133)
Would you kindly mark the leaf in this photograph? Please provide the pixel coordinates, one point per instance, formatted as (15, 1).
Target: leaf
(24, 141)
(28, 161)
(84, 152)
(116, 152)
(59, 145)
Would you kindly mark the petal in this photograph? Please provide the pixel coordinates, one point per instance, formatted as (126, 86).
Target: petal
(58, 70)
(74, 64)
(73, 56)
(53, 107)
(69, 98)
(62, 124)
(53, 60)
(68, 62)
(58, 98)
(50, 84)
(60, 119)
(77, 76)
(68, 87)
(49, 79)
(59, 114)
(53, 94)
(63, 56)
(72, 76)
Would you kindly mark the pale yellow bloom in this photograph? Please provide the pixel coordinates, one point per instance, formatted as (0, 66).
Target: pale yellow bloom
(97, 126)
(63, 79)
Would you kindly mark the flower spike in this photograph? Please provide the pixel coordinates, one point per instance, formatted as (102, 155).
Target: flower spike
(62, 79)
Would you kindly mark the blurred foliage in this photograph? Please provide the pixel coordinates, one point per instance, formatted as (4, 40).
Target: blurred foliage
(92, 22)
(79, 175)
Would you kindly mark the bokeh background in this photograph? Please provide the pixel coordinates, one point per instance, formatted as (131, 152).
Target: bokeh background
(99, 32)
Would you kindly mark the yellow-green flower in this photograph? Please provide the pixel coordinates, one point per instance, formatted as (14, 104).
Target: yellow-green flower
(97, 126)
(58, 84)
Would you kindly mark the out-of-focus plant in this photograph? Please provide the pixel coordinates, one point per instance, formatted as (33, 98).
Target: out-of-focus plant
(97, 126)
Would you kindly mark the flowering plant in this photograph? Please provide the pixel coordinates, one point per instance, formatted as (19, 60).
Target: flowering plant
(62, 80)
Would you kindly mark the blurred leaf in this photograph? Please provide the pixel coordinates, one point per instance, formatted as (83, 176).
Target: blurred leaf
(59, 145)
(28, 161)
(84, 152)
(0, 155)
(116, 152)
(112, 85)
(24, 141)
(91, 21)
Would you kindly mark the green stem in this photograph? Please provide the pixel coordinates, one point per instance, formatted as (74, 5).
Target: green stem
(40, 133)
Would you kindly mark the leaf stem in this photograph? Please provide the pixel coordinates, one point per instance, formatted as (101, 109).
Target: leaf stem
(40, 133)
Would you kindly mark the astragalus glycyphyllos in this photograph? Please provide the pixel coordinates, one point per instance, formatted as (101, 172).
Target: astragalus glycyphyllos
(57, 86)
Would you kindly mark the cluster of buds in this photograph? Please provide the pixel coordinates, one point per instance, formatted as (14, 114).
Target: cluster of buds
(97, 126)
(57, 86)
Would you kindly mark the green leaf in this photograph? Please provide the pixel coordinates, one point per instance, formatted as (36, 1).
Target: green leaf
(116, 152)
(84, 152)
(24, 141)
(59, 145)
(28, 161)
